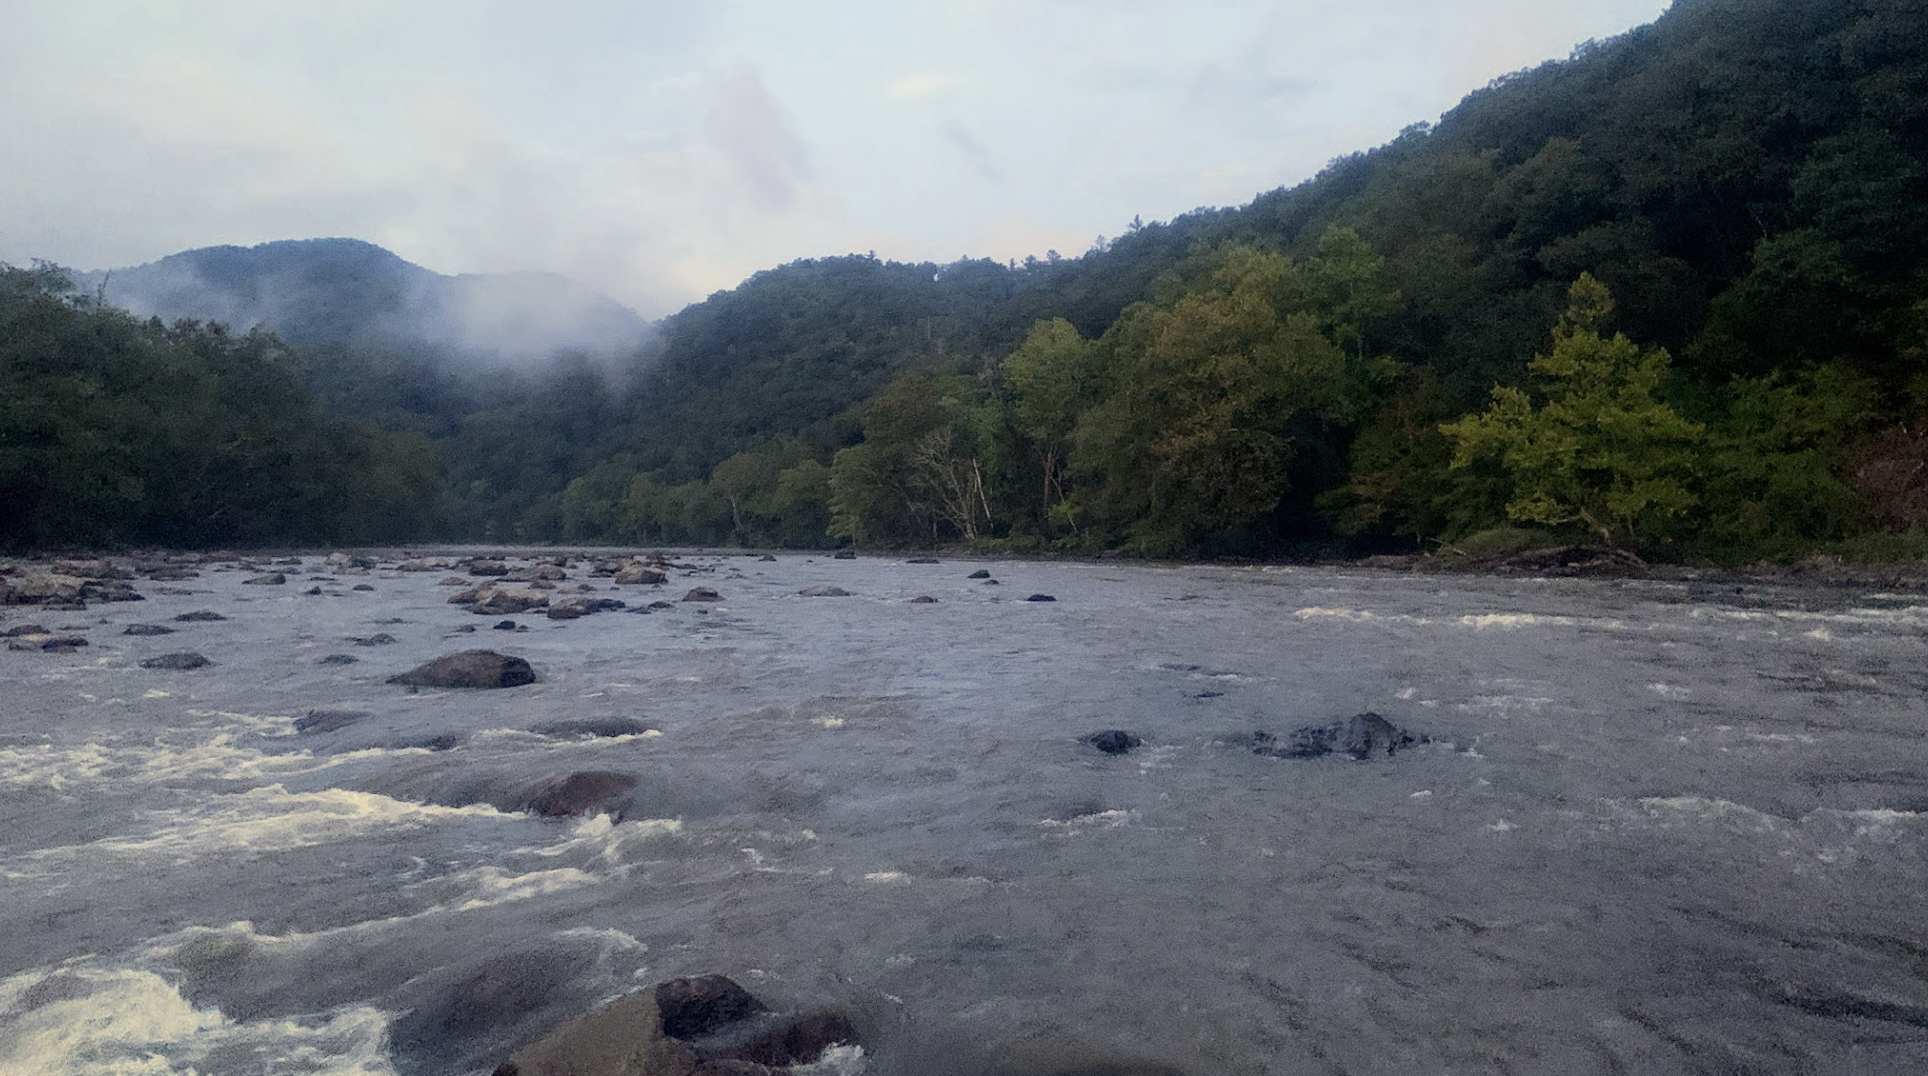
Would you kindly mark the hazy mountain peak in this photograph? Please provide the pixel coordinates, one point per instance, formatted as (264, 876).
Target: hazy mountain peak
(348, 290)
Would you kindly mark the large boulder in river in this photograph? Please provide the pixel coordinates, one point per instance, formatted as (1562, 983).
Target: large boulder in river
(1363, 736)
(704, 1026)
(469, 668)
(507, 601)
(641, 574)
(581, 794)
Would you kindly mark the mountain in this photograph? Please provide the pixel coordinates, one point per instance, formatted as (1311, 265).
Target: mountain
(350, 292)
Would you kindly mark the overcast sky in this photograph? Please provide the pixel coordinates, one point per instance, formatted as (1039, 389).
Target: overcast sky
(659, 151)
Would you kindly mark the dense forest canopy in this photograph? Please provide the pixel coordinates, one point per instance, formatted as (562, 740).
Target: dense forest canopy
(1668, 294)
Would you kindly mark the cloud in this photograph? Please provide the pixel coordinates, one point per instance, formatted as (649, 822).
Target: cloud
(757, 137)
(923, 84)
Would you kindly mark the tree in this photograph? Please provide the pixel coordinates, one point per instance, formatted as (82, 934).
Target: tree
(1602, 448)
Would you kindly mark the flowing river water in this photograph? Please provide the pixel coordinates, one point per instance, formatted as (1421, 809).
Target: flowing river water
(1657, 827)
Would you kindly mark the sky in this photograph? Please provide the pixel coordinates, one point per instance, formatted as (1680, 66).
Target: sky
(660, 151)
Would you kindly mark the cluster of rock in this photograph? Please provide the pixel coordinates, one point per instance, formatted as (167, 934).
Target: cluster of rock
(1362, 736)
(67, 585)
(539, 586)
(702, 1026)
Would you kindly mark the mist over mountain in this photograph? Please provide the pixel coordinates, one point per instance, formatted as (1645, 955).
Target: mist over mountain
(347, 291)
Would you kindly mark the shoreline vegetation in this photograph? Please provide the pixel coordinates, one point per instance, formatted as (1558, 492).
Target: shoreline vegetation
(1667, 297)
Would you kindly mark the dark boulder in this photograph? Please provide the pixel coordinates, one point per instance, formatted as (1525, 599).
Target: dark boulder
(585, 792)
(1363, 736)
(575, 608)
(702, 594)
(844, 554)
(1040, 598)
(380, 638)
(1113, 741)
(923, 599)
(178, 662)
(707, 1026)
(461, 1025)
(469, 669)
(701, 1005)
(36, 629)
(272, 579)
(363, 587)
(52, 644)
(338, 659)
(981, 573)
(199, 615)
(824, 592)
(488, 568)
(504, 625)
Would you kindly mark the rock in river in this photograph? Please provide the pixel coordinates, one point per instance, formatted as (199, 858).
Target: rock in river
(1113, 741)
(703, 1026)
(469, 668)
(702, 594)
(585, 792)
(824, 592)
(1362, 736)
(180, 662)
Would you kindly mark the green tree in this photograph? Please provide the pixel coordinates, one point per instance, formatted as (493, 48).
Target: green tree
(1601, 448)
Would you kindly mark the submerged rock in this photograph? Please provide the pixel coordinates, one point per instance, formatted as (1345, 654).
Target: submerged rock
(338, 659)
(592, 727)
(180, 662)
(1113, 741)
(981, 573)
(272, 579)
(923, 599)
(700, 594)
(317, 721)
(199, 615)
(1363, 736)
(469, 669)
(585, 792)
(824, 592)
(36, 629)
(703, 1026)
(52, 644)
(1040, 598)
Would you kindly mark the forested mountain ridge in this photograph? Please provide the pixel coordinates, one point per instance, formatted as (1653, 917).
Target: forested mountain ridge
(1668, 293)
(345, 291)
(1748, 180)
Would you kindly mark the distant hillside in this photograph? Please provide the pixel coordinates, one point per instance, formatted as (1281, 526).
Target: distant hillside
(350, 292)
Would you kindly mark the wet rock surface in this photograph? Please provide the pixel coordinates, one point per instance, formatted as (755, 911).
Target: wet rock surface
(1114, 741)
(702, 1026)
(1362, 737)
(574, 795)
(470, 669)
(179, 662)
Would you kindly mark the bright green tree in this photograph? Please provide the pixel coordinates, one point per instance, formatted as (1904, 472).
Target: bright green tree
(1602, 449)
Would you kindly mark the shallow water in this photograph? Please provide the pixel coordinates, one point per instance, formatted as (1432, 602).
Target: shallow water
(1657, 829)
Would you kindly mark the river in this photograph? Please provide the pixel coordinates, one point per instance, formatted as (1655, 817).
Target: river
(1656, 827)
